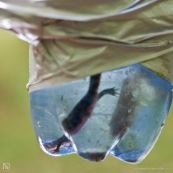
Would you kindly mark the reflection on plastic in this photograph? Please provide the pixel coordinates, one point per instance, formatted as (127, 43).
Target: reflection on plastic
(119, 112)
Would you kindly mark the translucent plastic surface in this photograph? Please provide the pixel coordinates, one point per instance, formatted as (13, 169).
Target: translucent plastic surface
(120, 112)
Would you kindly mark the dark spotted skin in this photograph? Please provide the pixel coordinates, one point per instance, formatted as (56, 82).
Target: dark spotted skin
(55, 145)
(93, 156)
(80, 113)
(84, 108)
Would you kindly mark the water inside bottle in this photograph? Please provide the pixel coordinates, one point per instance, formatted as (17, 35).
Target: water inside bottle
(119, 112)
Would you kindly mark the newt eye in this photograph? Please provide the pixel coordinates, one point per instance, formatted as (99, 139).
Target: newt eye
(120, 113)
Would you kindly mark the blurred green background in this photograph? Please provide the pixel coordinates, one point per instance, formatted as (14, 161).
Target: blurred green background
(18, 144)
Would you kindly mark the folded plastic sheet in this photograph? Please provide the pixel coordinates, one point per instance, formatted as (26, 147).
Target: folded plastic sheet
(74, 39)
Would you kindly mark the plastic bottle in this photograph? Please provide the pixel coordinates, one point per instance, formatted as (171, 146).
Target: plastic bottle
(121, 113)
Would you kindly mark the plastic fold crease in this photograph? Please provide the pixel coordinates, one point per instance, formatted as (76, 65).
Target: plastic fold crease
(70, 41)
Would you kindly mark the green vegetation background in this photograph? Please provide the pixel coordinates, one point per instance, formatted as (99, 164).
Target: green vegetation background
(18, 144)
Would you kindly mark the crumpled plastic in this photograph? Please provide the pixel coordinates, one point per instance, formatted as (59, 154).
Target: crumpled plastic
(74, 39)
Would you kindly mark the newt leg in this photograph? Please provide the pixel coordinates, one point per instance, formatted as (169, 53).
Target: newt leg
(55, 145)
(109, 91)
(83, 109)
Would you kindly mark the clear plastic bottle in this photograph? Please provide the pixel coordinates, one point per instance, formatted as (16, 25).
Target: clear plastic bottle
(119, 112)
